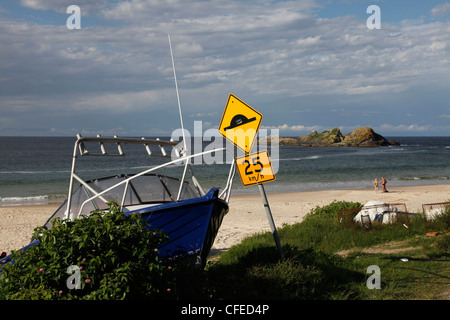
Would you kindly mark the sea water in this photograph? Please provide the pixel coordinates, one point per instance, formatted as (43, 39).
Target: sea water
(36, 170)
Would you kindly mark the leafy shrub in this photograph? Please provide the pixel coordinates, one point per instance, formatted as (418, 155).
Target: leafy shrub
(116, 257)
(320, 228)
(443, 243)
(435, 247)
(330, 210)
(441, 222)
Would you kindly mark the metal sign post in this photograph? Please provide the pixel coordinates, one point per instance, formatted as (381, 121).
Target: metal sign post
(270, 218)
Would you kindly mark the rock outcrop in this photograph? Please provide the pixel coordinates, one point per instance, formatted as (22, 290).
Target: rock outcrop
(326, 138)
(366, 137)
(361, 137)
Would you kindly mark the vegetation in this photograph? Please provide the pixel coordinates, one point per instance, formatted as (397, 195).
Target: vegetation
(315, 266)
(442, 223)
(323, 260)
(116, 257)
(326, 137)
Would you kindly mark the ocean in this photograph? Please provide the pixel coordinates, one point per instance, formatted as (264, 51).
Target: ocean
(35, 170)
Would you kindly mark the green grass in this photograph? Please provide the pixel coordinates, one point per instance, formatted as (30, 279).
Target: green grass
(313, 269)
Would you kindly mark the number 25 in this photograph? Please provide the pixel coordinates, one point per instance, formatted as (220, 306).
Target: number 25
(255, 163)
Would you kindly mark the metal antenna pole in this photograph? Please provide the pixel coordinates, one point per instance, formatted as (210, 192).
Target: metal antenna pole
(178, 95)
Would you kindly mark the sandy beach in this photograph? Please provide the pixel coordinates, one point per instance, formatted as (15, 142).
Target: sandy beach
(246, 216)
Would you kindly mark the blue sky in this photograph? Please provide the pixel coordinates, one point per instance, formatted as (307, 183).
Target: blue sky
(305, 65)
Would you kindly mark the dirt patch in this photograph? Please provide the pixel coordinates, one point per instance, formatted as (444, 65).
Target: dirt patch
(385, 248)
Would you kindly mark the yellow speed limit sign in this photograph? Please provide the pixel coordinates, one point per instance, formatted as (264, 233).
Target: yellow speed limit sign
(255, 168)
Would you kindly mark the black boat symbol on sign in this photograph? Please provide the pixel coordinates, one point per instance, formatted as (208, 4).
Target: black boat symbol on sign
(239, 120)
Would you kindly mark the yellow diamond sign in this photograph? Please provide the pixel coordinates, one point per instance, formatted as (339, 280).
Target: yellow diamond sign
(240, 123)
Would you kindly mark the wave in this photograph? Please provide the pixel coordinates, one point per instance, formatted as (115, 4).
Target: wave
(302, 158)
(99, 169)
(15, 199)
(5, 201)
(421, 178)
(34, 172)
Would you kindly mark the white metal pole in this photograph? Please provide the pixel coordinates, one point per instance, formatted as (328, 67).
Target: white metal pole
(178, 95)
(68, 214)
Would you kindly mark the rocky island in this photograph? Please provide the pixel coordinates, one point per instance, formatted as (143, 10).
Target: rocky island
(361, 137)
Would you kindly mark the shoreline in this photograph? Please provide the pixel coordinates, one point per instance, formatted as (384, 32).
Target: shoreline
(58, 200)
(246, 215)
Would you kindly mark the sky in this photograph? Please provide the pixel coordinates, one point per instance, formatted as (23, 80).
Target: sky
(304, 65)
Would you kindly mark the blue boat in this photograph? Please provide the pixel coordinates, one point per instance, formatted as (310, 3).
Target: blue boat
(188, 215)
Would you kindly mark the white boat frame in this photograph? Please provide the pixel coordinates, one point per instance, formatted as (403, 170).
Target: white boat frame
(180, 152)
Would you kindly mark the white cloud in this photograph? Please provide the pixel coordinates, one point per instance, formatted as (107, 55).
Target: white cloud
(376, 89)
(256, 50)
(441, 10)
(86, 6)
(297, 128)
(188, 49)
(215, 15)
(404, 128)
(437, 46)
(280, 50)
(205, 114)
(308, 41)
(119, 102)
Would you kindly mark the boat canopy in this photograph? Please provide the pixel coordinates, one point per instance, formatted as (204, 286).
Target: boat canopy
(141, 188)
(148, 189)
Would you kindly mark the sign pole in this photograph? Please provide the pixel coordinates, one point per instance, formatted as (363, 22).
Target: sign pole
(270, 218)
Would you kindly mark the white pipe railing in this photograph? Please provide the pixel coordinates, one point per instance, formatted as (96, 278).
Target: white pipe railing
(225, 194)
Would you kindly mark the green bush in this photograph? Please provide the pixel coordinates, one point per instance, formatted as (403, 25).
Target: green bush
(435, 247)
(114, 256)
(441, 222)
(320, 228)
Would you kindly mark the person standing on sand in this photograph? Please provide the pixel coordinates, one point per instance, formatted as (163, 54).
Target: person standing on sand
(375, 183)
(383, 183)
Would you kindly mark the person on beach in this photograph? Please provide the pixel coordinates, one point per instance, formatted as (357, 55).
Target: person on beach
(376, 185)
(383, 183)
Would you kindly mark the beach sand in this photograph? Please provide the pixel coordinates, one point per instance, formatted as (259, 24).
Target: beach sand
(246, 216)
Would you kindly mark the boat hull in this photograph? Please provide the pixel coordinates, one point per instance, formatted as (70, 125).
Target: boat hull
(191, 225)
